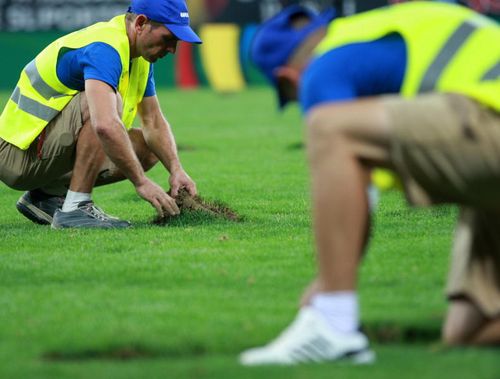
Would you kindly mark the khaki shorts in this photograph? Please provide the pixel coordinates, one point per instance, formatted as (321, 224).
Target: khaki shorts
(446, 149)
(49, 157)
(475, 265)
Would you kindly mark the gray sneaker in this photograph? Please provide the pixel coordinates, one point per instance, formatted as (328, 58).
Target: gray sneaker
(87, 216)
(38, 206)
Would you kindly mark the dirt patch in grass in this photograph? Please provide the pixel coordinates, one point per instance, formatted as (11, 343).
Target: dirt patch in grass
(387, 333)
(296, 146)
(196, 208)
(182, 147)
(379, 333)
(124, 353)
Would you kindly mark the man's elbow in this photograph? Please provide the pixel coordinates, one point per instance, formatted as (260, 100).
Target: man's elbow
(107, 128)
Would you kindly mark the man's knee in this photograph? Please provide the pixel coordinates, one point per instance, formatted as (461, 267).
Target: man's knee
(463, 320)
(452, 335)
(147, 158)
(148, 161)
(360, 129)
(15, 181)
(325, 135)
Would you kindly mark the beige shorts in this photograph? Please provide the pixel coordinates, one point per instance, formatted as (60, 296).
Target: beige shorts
(446, 149)
(475, 265)
(49, 157)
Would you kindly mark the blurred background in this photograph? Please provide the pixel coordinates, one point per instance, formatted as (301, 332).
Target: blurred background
(226, 27)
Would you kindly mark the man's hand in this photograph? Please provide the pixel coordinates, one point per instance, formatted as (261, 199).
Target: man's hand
(160, 140)
(158, 198)
(179, 179)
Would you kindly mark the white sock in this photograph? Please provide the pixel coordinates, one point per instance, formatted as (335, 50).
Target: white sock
(73, 199)
(373, 197)
(340, 309)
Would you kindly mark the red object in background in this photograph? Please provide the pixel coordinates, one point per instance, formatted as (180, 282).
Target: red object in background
(185, 72)
(215, 7)
(482, 6)
(485, 6)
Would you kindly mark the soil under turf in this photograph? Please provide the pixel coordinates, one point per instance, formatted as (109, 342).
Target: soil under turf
(196, 204)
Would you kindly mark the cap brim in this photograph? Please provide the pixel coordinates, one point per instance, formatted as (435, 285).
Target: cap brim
(184, 33)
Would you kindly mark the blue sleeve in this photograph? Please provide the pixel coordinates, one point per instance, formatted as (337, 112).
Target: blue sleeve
(353, 71)
(150, 87)
(97, 60)
(102, 62)
(325, 80)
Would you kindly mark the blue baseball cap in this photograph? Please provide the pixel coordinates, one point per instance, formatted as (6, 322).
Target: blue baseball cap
(276, 39)
(171, 13)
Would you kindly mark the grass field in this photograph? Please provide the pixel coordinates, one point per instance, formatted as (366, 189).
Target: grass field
(182, 301)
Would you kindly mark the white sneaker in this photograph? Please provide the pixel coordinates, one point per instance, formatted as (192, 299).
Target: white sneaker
(310, 339)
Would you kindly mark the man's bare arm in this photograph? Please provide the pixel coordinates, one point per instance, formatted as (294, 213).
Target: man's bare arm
(109, 128)
(107, 124)
(160, 139)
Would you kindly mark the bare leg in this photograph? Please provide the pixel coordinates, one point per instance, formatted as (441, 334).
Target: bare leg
(89, 159)
(109, 173)
(488, 334)
(344, 141)
(89, 154)
(466, 325)
(92, 166)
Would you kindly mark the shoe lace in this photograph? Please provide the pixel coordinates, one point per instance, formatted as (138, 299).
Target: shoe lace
(96, 212)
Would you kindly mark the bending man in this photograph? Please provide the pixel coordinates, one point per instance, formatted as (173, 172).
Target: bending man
(67, 125)
(414, 88)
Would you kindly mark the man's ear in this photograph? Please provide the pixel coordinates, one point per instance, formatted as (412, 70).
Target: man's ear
(140, 22)
(288, 74)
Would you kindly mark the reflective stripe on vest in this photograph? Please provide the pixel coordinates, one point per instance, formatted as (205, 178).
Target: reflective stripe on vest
(39, 84)
(448, 51)
(460, 55)
(39, 94)
(493, 73)
(33, 107)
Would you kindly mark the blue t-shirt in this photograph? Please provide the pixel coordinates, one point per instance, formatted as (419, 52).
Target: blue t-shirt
(98, 61)
(354, 70)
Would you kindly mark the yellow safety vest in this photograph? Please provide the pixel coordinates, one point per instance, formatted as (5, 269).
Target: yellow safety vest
(40, 96)
(449, 48)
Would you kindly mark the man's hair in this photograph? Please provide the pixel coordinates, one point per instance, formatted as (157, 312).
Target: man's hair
(130, 17)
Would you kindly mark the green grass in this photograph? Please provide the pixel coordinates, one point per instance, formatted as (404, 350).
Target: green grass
(181, 301)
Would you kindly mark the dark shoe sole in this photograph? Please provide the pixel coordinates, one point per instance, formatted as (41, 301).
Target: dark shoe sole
(33, 213)
(85, 223)
(57, 225)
